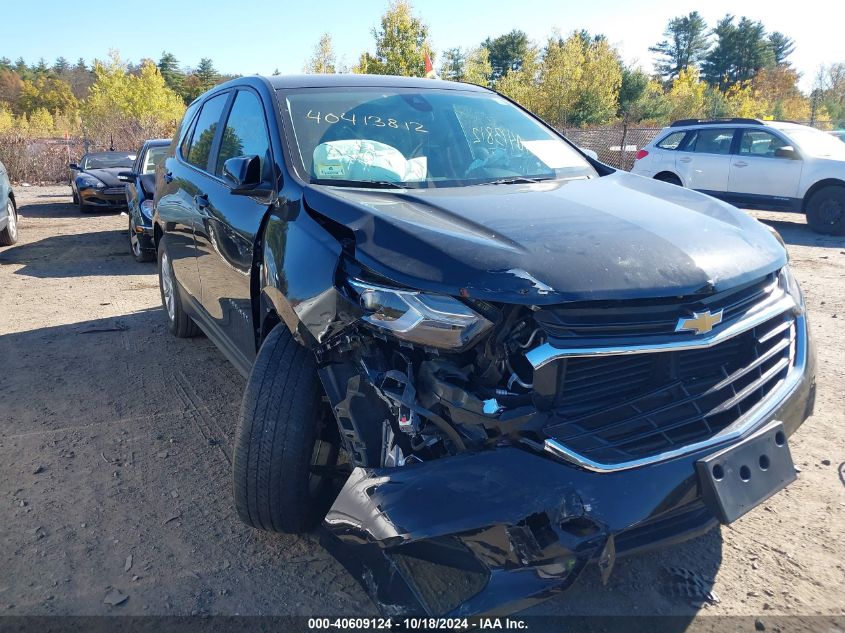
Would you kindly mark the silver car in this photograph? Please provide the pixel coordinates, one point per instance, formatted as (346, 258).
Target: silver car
(8, 211)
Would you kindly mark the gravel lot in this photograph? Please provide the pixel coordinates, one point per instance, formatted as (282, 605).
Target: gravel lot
(115, 452)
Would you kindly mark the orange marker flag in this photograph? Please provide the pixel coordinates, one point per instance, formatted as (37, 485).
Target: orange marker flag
(429, 68)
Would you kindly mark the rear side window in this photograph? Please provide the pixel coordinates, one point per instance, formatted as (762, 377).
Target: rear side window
(245, 133)
(672, 141)
(202, 137)
(708, 141)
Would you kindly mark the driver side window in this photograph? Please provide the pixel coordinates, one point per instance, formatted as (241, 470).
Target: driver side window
(245, 133)
(758, 143)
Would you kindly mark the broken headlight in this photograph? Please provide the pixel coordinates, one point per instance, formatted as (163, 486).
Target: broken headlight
(417, 317)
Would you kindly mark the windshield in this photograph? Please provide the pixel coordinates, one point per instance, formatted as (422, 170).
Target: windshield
(422, 138)
(153, 158)
(107, 161)
(817, 143)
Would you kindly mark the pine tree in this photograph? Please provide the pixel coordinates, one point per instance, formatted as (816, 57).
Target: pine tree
(507, 52)
(685, 45)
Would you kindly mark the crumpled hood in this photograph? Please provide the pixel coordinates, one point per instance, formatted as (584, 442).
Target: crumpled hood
(616, 237)
(108, 176)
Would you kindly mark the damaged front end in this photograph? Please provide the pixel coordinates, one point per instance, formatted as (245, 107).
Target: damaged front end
(492, 452)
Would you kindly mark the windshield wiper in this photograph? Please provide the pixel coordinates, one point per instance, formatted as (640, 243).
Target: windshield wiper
(513, 180)
(364, 184)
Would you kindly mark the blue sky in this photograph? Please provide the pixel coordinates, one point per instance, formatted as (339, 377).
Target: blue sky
(258, 36)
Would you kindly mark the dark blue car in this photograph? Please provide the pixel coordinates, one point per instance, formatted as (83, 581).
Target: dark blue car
(140, 189)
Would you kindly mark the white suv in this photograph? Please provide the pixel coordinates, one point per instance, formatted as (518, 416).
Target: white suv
(754, 164)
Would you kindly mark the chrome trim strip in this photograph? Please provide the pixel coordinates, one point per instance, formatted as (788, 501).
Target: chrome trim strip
(759, 413)
(546, 353)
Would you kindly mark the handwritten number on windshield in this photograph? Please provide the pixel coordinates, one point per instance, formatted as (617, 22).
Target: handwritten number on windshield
(371, 120)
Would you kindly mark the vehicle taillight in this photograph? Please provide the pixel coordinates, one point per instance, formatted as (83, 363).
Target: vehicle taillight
(641, 154)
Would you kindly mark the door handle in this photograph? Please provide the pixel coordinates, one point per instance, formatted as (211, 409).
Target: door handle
(168, 176)
(201, 200)
(685, 159)
(740, 163)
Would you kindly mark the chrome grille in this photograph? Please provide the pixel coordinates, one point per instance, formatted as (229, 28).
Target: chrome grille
(623, 408)
(114, 190)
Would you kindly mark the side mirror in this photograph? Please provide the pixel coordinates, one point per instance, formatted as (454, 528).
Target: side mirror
(127, 176)
(74, 166)
(787, 151)
(244, 174)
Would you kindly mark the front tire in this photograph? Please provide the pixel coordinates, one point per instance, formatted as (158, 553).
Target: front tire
(138, 253)
(178, 322)
(9, 235)
(283, 440)
(826, 210)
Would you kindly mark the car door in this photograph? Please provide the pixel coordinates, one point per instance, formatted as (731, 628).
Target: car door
(183, 183)
(756, 169)
(703, 161)
(226, 236)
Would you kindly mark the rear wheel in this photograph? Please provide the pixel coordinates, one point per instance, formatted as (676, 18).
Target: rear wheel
(286, 445)
(9, 235)
(672, 179)
(826, 210)
(178, 322)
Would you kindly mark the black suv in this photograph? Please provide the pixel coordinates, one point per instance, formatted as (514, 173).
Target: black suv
(481, 358)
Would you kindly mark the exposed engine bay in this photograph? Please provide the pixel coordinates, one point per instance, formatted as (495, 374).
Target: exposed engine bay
(400, 404)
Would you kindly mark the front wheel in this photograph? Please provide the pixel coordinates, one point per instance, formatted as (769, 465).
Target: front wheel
(178, 322)
(826, 210)
(138, 253)
(286, 444)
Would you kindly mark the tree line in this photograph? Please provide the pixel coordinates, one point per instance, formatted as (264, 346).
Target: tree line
(733, 68)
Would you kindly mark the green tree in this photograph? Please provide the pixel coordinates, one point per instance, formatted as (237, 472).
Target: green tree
(453, 64)
(740, 52)
(471, 66)
(631, 89)
(206, 73)
(507, 52)
(173, 76)
(61, 66)
(782, 47)
(685, 45)
(323, 59)
(401, 44)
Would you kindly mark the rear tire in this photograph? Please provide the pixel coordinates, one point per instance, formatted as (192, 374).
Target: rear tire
(9, 235)
(178, 322)
(672, 179)
(284, 435)
(826, 210)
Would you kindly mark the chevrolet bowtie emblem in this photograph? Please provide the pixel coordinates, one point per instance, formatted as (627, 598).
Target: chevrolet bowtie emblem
(700, 323)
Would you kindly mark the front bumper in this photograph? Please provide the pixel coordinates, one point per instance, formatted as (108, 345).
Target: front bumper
(505, 528)
(107, 198)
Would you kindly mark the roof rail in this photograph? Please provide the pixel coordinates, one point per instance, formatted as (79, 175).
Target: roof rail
(685, 122)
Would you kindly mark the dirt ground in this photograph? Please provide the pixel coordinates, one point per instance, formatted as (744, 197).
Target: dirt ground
(115, 455)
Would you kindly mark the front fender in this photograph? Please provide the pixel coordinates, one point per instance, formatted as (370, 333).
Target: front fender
(298, 272)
